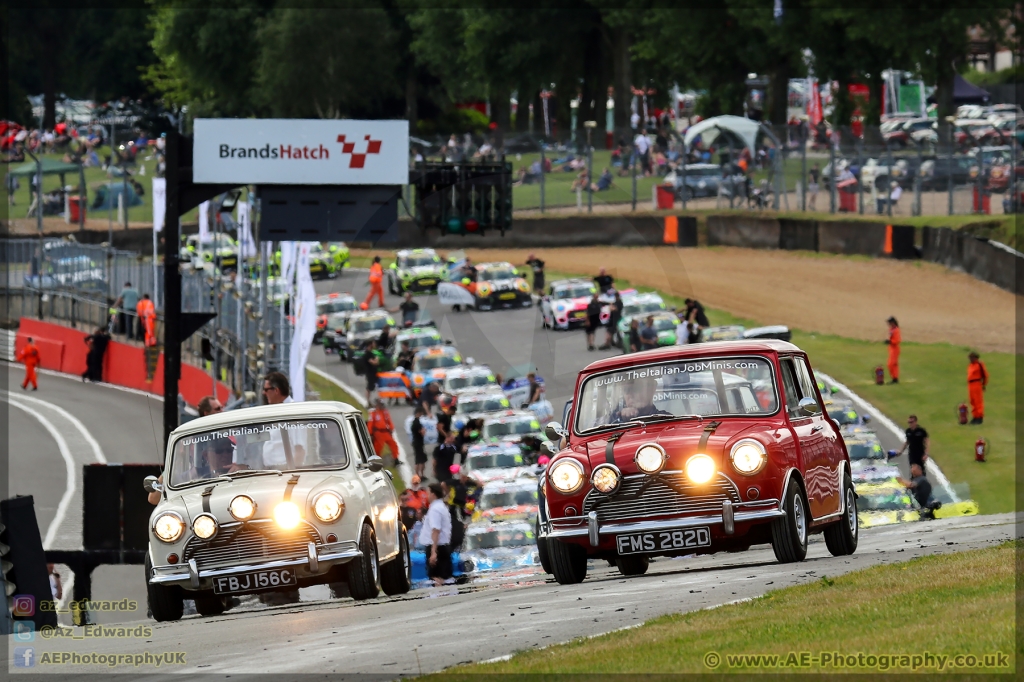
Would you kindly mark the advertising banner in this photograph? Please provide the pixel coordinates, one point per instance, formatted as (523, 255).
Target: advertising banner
(301, 151)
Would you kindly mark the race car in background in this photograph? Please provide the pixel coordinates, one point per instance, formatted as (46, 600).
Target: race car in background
(339, 254)
(508, 499)
(513, 423)
(339, 304)
(565, 304)
(510, 548)
(323, 263)
(518, 389)
(497, 285)
(221, 251)
(486, 462)
(639, 306)
(476, 403)
(467, 377)
(361, 327)
(737, 332)
(417, 338)
(416, 271)
(665, 324)
(432, 364)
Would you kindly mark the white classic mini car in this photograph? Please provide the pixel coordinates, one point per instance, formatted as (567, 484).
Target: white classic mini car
(271, 499)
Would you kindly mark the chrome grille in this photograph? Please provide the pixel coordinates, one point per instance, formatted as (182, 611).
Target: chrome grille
(668, 494)
(239, 544)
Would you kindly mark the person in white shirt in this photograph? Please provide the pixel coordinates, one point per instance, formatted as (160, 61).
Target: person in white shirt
(276, 390)
(436, 535)
(643, 151)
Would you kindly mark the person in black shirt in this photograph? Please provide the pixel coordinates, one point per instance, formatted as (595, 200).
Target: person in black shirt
(429, 396)
(405, 357)
(372, 363)
(695, 312)
(384, 340)
(921, 487)
(593, 319)
(97, 342)
(409, 308)
(417, 441)
(444, 422)
(535, 392)
(444, 457)
(615, 315)
(538, 273)
(916, 443)
(634, 336)
(604, 281)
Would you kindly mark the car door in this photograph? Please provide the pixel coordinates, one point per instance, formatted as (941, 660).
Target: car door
(824, 436)
(383, 505)
(809, 441)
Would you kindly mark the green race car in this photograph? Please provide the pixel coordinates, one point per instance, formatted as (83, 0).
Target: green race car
(639, 306)
(339, 254)
(664, 323)
(415, 270)
(221, 250)
(322, 263)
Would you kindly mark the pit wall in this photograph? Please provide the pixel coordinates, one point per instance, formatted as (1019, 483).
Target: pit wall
(63, 349)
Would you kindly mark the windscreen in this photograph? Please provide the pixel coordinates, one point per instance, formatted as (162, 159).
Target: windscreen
(662, 324)
(865, 451)
(578, 291)
(367, 324)
(500, 538)
(425, 362)
(496, 460)
(486, 403)
(421, 341)
(698, 387)
(641, 307)
(335, 305)
(511, 427)
(495, 273)
(336, 320)
(507, 498)
(457, 383)
(417, 260)
(258, 446)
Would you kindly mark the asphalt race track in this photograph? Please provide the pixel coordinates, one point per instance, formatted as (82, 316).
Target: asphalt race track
(428, 629)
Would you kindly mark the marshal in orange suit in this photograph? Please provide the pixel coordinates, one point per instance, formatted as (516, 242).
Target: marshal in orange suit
(894, 341)
(977, 381)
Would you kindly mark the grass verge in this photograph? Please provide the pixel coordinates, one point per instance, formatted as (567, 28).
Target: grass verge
(947, 605)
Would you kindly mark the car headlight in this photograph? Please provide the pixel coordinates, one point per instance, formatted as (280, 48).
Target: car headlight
(748, 457)
(606, 478)
(650, 458)
(566, 476)
(287, 515)
(483, 289)
(327, 506)
(204, 526)
(169, 526)
(522, 285)
(242, 508)
(700, 468)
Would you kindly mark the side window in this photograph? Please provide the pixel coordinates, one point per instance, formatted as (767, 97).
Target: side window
(362, 437)
(789, 385)
(806, 380)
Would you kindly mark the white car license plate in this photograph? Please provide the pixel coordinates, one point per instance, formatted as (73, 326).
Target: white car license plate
(257, 580)
(663, 541)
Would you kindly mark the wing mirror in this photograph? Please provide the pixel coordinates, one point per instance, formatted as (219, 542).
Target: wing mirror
(549, 448)
(375, 463)
(555, 432)
(809, 406)
(152, 484)
(835, 423)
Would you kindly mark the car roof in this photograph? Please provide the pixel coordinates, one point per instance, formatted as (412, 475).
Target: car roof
(516, 484)
(330, 297)
(409, 252)
(576, 281)
(418, 331)
(494, 264)
(480, 528)
(699, 350)
(437, 350)
(265, 413)
(493, 417)
(486, 389)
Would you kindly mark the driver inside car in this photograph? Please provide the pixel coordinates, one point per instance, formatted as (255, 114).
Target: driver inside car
(217, 457)
(638, 401)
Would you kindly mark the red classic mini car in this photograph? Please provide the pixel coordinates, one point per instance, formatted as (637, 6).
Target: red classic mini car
(694, 450)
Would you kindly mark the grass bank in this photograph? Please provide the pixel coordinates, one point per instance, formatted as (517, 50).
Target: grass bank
(959, 604)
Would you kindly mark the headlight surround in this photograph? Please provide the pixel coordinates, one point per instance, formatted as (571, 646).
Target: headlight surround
(650, 458)
(566, 476)
(328, 506)
(748, 457)
(483, 289)
(606, 478)
(700, 469)
(522, 286)
(242, 507)
(287, 515)
(205, 526)
(168, 527)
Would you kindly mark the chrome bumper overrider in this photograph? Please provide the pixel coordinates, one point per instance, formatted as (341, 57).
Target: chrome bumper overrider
(588, 526)
(317, 560)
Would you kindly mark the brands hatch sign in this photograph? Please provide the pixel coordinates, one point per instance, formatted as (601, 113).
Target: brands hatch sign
(300, 152)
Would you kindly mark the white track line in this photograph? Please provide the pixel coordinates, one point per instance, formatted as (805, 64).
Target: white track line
(69, 465)
(933, 467)
(97, 451)
(78, 377)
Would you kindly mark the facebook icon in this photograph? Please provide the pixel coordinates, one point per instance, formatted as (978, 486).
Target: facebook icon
(24, 657)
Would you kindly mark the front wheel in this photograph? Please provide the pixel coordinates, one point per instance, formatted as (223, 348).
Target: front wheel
(165, 602)
(396, 575)
(568, 562)
(633, 564)
(841, 537)
(210, 604)
(364, 572)
(789, 534)
(542, 549)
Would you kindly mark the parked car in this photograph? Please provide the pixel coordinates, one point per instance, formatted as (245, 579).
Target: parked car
(337, 305)
(415, 270)
(565, 304)
(674, 452)
(699, 180)
(271, 499)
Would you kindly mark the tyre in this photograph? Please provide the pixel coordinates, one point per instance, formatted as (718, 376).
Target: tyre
(165, 602)
(364, 572)
(633, 564)
(391, 286)
(841, 537)
(789, 534)
(568, 562)
(482, 304)
(527, 302)
(396, 575)
(542, 549)
(209, 604)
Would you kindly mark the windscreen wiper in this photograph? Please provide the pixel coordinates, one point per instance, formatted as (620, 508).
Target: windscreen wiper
(647, 419)
(254, 472)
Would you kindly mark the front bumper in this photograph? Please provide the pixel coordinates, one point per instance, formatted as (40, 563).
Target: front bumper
(319, 559)
(588, 526)
(421, 285)
(520, 298)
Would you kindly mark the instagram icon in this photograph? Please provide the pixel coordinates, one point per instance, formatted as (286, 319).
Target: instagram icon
(24, 606)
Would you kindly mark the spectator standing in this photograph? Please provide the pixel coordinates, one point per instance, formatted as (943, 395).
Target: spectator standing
(436, 536)
(894, 340)
(97, 342)
(643, 150)
(614, 317)
(604, 281)
(127, 301)
(977, 382)
(813, 176)
(535, 389)
(634, 336)
(444, 457)
(409, 308)
(209, 405)
(418, 434)
(593, 319)
(648, 336)
(537, 265)
(916, 444)
(372, 364)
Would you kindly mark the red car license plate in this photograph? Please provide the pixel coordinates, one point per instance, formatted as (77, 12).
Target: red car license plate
(663, 541)
(255, 580)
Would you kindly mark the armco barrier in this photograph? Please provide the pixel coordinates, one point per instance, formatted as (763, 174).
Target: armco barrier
(750, 232)
(986, 260)
(63, 349)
